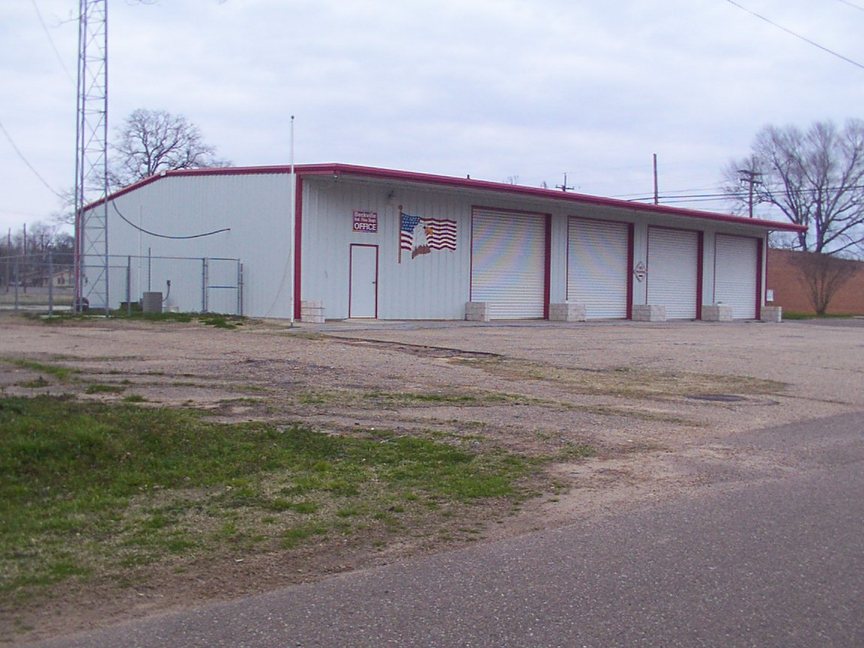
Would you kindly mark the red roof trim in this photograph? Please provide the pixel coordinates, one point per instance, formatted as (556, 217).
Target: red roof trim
(337, 169)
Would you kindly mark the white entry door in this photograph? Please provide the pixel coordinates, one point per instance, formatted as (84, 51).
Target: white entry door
(363, 291)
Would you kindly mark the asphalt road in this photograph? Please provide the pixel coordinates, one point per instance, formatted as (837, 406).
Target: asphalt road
(778, 561)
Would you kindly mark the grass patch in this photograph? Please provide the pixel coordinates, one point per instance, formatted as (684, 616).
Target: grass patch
(575, 452)
(36, 383)
(795, 315)
(377, 399)
(295, 536)
(216, 320)
(93, 488)
(221, 321)
(98, 388)
(627, 381)
(62, 374)
(798, 315)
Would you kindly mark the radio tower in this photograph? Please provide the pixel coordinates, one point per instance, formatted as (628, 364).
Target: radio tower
(91, 158)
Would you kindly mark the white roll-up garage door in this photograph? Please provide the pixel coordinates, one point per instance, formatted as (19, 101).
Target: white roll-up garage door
(597, 267)
(673, 260)
(736, 274)
(508, 263)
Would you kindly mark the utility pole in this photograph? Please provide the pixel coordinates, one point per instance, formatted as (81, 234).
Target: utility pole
(563, 187)
(750, 178)
(24, 260)
(8, 256)
(656, 185)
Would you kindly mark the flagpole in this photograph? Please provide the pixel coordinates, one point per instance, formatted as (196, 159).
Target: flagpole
(292, 226)
(399, 234)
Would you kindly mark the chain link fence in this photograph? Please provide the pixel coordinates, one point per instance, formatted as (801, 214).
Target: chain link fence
(36, 283)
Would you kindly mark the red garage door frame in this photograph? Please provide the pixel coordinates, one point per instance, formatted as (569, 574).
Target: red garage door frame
(757, 297)
(700, 260)
(629, 259)
(547, 247)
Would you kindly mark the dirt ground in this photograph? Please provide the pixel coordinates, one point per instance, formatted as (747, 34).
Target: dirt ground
(661, 403)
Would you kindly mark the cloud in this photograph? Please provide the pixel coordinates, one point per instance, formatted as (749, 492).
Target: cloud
(494, 88)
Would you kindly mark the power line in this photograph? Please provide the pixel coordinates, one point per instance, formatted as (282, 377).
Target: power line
(51, 41)
(715, 192)
(673, 200)
(667, 200)
(638, 195)
(715, 197)
(27, 162)
(852, 4)
(797, 35)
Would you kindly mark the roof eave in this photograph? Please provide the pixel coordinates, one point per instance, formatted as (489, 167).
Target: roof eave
(537, 192)
(339, 169)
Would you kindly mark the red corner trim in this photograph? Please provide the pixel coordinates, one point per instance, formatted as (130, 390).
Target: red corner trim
(298, 245)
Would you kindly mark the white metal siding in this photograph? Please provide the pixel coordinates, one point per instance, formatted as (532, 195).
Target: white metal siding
(597, 269)
(508, 264)
(735, 274)
(673, 257)
(252, 208)
(428, 286)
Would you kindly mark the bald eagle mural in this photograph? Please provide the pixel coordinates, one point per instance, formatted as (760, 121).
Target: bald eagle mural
(421, 235)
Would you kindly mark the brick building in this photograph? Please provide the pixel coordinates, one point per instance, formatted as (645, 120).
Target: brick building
(790, 292)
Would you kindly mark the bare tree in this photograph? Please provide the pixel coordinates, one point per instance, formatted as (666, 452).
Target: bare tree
(815, 178)
(152, 141)
(823, 275)
(25, 253)
(65, 215)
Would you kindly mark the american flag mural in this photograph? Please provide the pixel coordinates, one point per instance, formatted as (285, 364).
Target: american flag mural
(421, 235)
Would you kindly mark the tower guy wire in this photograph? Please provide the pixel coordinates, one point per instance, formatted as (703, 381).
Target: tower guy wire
(796, 34)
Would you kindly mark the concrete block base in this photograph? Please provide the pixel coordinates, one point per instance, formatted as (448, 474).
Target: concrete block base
(772, 314)
(312, 312)
(477, 311)
(717, 313)
(649, 313)
(567, 312)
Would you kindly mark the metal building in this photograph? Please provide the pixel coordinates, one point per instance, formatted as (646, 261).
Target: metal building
(361, 242)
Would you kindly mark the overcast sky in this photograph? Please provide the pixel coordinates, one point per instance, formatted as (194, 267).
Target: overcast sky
(491, 88)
